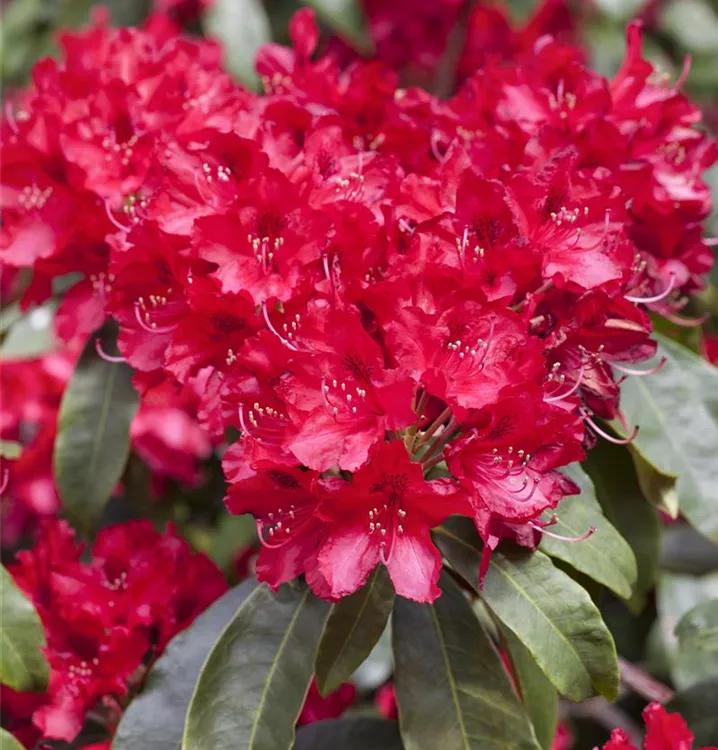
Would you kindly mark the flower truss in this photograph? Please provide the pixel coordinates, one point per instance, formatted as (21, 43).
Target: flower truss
(407, 307)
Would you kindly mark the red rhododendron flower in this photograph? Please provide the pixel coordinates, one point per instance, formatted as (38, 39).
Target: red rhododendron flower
(332, 705)
(664, 731)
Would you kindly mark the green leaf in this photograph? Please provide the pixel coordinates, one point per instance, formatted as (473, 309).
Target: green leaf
(155, 719)
(252, 686)
(550, 613)
(698, 628)
(538, 694)
(93, 437)
(360, 733)
(8, 742)
(697, 705)
(10, 449)
(451, 686)
(242, 28)
(605, 556)
(657, 487)
(354, 627)
(31, 335)
(347, 19)
(22, 664)
(614, 478)
(677, 596)
(676, 410)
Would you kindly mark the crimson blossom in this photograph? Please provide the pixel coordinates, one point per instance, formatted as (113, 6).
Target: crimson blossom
(407, 307)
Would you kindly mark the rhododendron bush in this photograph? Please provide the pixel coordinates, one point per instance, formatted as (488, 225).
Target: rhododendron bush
(358, 376)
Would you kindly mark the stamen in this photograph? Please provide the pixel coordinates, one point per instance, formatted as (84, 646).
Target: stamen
(151, 327)
(5, 481)
(274, 330)
(591, 531)
(117, 223)
(685, 322)
(657, 297)
(687, 60)
(103, 355)
(10, 116)
(641, 373)
(435, 136)
(605, 435)
(570, 391)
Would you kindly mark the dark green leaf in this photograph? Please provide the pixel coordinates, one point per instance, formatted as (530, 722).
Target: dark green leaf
(605, 556)
(22, 664)
(155, 719)
(675, 410)
(93, 437)
(538, 694)
(252, 686)
(550, 613)
(676, 596)
(31, 335)
(686, 551)
(451, 686)
(355, 625)
(8, 742)
(347, 19)
(697, 706)
(698, 628)
(360, 733)
(614, 478)
(242, 28)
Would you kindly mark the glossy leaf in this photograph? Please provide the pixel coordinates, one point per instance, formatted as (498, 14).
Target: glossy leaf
(252, 686)
(451, 686)
(155, 719)
(8, 742)
(537, 693)
(614, 479)
(697, 705)
(359, 733)
(22, 664)
(657, 487)
(698, 628)
(93, 437)
(550, 613)
(675, 411)
(346, 18)
(605, 556)
(242, 28)
(354, 627)
(677, 596)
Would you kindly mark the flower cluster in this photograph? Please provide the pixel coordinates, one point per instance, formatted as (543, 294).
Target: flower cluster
(105, 620)
(664, 731)
(408, 307)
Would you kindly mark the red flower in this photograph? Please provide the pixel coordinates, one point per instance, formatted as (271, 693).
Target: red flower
(384, 514)
(330, 706)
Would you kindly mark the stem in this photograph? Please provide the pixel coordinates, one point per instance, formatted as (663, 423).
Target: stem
(426, 436)
(545, 287)
(642, 683)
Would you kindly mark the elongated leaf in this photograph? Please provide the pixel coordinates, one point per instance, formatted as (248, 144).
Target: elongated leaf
(22, 664)
(697, 705)
(677, 596)
(242, 28)
(8, 742)
(93, 437)
(253, 684)
(451, 686)
(605, 556)
(550, 613)
(675, 409)
(614, 478)
(657, 487)
(347, 19)
(155, 719)
(355, 625)
(698, 628)
(537, 693)
(360, 733)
